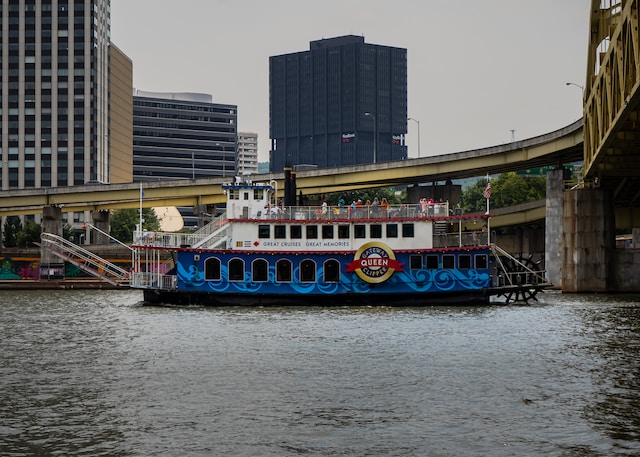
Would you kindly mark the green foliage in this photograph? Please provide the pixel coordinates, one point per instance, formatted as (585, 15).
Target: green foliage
(29, 235)
(366, 194)
(508, 189)
(12, 226)
(124, 221)
(67, 232)
(472, 200)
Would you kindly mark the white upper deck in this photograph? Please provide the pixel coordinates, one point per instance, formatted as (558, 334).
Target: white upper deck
(255, 221)
(247, 199)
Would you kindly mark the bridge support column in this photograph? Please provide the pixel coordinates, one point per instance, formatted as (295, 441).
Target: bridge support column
(51, 267)
(553, 227)
(588, 240)
(102, 221)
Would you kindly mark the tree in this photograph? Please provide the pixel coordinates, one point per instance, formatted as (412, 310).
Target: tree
(67, 232)
(472, 200)
(364, 195)
(12, 226)
(508, 189)
(124, 221)
(29, 235)
(512, 189)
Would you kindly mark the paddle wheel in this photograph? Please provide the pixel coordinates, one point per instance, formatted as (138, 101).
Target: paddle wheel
(519, 278)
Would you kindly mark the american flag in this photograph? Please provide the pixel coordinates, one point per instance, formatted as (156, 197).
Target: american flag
(487, 190)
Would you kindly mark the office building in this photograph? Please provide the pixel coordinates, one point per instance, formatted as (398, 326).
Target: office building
(182, 136)
(247, 153)
(120, 117)
(55, 93)
(62, 85)
(342, 102)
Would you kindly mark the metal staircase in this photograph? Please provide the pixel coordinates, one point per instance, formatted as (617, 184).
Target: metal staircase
(213, 234)
(85, 260)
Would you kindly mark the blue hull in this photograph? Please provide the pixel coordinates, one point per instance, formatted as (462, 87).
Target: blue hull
(227, 278)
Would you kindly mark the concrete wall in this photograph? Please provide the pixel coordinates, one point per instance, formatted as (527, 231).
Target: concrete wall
(51, 223)
(447, 192)
(588, 241)
(521, 240)
(553, 223)
(626, 270)
(101, 220)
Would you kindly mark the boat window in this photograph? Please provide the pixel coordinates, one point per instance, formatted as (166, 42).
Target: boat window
(392, 230)
(307, 271)
(236, 270)
(327, 232)
(258, 194)
(283, 270)
(416, 262)
(233, 194)
(212, 269)
(343, 231)
(259, 270)
(246, 195)
(375, 231)
(331, 271)
(464, 261)
(312, 232)
(407, 231)
(481, 262)
(359, 231)
(280, 231)
(432, 262)
(296, 232)
(448, 262)
(264, 231)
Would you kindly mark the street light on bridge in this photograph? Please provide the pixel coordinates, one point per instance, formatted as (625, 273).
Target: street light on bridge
(418, 123)
(577, 85)
(375, 134)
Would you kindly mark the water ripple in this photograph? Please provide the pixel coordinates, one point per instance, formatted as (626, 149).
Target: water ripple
(92, 373)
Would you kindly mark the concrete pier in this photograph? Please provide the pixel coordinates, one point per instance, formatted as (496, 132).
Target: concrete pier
(588, 241)
(554, 226)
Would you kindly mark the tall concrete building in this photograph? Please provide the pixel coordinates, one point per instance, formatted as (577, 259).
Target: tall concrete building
(182, 136)
(120, 117)
(342, 102)
(55, 93)
(247, 153)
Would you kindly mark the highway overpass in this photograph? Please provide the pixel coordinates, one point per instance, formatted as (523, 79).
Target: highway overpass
(561, 146)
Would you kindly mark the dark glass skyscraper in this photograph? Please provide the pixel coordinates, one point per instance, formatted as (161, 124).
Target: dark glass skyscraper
(343, 102)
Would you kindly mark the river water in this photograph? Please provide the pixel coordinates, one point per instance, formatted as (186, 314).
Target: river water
(94, 373)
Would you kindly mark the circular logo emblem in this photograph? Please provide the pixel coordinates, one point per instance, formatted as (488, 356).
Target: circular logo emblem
(374, 263)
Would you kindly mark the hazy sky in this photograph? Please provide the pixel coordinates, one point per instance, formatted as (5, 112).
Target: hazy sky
(477, 69)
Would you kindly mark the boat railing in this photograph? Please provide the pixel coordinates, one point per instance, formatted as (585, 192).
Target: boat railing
(166, 240)
(512, 271)
(207, 229)
(153, 280)
(460, 238)
(354, 211)
(204, 237)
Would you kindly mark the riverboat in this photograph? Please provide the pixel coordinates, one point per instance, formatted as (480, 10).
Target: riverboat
(266, 251)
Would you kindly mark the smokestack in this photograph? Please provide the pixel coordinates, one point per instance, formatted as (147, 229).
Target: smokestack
(289, 187)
